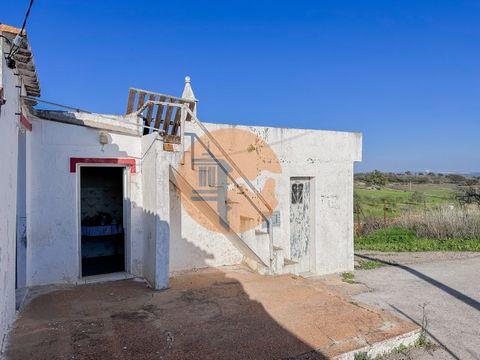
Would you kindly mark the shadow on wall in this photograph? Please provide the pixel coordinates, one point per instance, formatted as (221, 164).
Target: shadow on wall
(204, 314)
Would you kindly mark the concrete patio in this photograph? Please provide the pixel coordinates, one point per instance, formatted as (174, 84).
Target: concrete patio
(209, 314)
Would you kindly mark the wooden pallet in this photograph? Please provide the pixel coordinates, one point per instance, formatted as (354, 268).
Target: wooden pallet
(163, 117)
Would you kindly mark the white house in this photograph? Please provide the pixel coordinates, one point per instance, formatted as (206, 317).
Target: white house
(88, 196)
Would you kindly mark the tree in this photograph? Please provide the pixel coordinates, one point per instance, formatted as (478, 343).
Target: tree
(418, 197)
(376, 178)
(470, 195)
(455, 178)
(471, 181)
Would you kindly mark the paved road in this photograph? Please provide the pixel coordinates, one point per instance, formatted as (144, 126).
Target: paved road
(447, 285)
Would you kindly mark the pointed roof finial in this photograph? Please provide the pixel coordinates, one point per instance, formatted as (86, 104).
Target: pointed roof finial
(188, 92)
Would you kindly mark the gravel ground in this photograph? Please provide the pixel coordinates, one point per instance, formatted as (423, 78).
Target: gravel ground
(443, 287)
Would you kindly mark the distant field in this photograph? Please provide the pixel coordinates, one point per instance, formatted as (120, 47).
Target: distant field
(424, 212)
(397, 200)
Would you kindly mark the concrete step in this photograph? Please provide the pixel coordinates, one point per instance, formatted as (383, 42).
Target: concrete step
(289, 262)
(290, 267)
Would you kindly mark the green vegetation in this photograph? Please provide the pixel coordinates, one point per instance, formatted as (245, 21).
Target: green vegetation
(348, 277)
(368, 264)
(416, 212)
(399, 239)
(376, 178)
(418, 178)
(372, 202)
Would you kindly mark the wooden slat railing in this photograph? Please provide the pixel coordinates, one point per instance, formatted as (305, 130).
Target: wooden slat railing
(157, 113)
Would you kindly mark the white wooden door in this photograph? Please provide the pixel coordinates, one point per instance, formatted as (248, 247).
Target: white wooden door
(300, 222)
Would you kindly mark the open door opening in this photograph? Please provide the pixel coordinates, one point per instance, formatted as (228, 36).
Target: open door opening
(102, 219)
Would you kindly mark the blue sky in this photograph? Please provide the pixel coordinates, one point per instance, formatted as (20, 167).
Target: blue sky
(405, 73)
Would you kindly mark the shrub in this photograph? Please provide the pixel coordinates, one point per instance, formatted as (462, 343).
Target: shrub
(376, 178)
(371, 224)
(418, 197)
(443, 223)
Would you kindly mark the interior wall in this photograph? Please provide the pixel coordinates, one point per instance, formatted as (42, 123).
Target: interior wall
(102, 192)
(101, 200)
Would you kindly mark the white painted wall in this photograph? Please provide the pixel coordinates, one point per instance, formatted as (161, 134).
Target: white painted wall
(8, 192)
(52, 198)
(325, 156)
(164, 238)
(156, 210)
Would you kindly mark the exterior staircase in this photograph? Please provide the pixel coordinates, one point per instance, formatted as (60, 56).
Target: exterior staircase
(167, 115)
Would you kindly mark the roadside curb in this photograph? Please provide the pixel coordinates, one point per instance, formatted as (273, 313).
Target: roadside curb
(383, 347)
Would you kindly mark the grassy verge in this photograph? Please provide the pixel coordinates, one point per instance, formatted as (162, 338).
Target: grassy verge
(397, 239)
(368, 265)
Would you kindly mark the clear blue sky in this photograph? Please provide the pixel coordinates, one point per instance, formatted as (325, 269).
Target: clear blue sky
(405, 73)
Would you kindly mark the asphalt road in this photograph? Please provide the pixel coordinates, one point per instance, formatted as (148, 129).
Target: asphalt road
(443, 287)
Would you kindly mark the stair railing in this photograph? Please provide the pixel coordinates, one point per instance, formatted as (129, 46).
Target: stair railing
(188, 113)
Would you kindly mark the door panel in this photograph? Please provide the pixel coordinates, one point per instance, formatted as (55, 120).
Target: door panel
(300, 222)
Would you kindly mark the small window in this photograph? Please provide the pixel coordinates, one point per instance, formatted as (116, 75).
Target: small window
(297, 193)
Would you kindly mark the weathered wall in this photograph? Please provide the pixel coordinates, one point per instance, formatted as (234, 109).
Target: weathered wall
(327, 158)
(164, 236)
(156, 206)
(8, 192)
(52, 192)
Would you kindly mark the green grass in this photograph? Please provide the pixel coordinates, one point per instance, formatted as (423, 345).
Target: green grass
(368, 265)
(348, 277)
(398, 201)
(397, 240)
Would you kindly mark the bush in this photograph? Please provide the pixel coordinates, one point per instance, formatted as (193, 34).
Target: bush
(418, 197)
(376, 178)
(443, 223)
(371, 224)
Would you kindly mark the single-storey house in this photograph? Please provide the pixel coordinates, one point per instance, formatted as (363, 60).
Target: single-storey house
(155, 190)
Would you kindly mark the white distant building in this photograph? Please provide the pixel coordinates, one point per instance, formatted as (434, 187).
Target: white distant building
(88, 196)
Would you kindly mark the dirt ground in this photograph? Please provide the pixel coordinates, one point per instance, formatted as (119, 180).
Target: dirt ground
(209, 314)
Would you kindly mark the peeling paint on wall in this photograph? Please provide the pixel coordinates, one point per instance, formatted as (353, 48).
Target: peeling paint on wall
(300, 222)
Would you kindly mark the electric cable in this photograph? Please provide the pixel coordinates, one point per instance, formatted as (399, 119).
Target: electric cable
(14, 48)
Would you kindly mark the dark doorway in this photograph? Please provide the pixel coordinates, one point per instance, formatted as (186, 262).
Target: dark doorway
(103, 239)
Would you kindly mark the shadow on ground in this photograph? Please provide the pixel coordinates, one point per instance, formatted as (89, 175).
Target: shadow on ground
(208, 314)
(204, 315)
